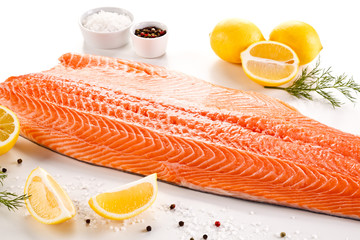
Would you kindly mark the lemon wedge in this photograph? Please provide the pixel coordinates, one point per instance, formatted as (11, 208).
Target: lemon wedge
(48, 202)
(270, 63)
(9, 129)
(126, 201)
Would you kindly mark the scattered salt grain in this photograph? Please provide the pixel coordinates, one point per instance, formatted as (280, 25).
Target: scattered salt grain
(314, 236)
(106, 22)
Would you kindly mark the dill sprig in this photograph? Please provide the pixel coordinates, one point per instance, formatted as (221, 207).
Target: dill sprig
(11, 200)
(2, 177)
(321, 81)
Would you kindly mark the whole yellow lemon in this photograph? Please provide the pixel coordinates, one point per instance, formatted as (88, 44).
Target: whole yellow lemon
(232, 36)
(301, 37)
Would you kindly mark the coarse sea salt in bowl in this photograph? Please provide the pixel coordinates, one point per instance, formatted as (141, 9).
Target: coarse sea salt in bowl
(106, 27)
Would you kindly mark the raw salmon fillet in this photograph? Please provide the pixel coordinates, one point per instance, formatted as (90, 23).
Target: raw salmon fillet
(144, 119)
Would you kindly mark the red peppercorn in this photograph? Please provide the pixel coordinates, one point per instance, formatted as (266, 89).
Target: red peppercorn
(217, 223)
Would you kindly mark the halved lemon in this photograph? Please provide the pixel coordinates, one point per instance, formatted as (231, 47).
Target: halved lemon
(9, 129)
(48, 202)
(270, 63)
(126, 201)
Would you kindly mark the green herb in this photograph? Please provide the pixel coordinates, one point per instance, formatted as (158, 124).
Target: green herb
(2, 177)
(322, 82)
(10, 200)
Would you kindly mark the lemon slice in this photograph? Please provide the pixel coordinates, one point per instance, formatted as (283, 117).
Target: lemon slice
(48, 202)
(9, 129)
(270, 63)
(126, 201)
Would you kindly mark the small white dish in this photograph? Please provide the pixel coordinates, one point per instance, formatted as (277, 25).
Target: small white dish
(149, 47)
(106, 40)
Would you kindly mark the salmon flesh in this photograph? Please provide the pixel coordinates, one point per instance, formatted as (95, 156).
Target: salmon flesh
(146, 119)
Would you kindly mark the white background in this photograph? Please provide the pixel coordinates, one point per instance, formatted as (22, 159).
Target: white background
(35, 33)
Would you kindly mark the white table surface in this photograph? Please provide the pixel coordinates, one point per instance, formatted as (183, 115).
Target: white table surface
(35, 33)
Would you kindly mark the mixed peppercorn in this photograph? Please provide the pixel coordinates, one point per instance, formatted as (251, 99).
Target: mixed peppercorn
(150, 32)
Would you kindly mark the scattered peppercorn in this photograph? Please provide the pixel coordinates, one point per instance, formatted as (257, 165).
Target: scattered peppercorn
(87, 221)
(19, 161)
(172, 206)
(150, 32)
(217, 223)
(148, 228)
(4, 170)
(282, 234)
(181, 223)
(205, 236)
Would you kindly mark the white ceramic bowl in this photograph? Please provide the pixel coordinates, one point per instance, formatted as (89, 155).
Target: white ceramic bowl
(149, 47)
(106, 40)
